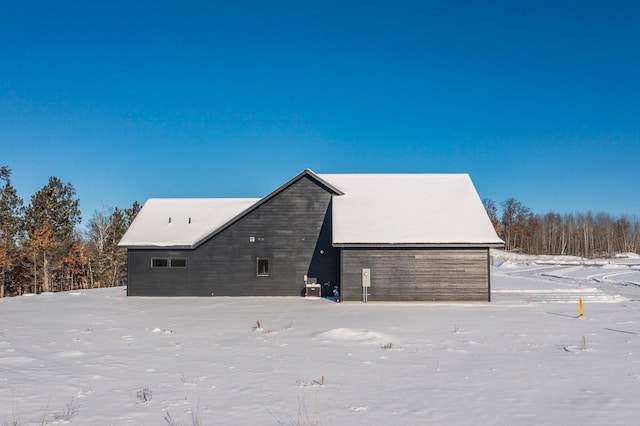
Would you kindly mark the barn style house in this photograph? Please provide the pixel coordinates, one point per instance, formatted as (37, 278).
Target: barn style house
(359, 237)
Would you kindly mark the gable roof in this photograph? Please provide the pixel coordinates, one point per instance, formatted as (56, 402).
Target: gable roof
(195, 220)
(368, 209)
(409, 209)
(181, 222)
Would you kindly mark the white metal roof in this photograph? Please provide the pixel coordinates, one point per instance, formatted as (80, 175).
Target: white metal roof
(181, 222)
(408, 209)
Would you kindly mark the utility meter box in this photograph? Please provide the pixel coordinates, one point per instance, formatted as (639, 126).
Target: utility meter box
(366, 277)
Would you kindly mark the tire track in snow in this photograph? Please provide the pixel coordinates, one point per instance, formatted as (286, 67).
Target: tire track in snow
(555, 274)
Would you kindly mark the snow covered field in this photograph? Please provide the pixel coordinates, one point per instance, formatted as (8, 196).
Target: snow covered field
(96, 357)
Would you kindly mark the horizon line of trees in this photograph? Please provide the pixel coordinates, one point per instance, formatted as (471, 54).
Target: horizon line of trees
(42, 249)
(587, 234)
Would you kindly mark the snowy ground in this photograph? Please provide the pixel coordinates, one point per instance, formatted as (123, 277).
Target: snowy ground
(87, 357)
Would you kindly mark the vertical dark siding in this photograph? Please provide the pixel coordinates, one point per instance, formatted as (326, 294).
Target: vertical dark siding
(416, 274)
(290, 230)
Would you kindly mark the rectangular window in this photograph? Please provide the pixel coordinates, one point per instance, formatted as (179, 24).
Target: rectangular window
(168, 262)
(178, 262)
(263, 267)
(159, 262)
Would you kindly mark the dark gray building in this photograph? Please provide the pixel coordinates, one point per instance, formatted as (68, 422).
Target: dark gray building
(401, 236)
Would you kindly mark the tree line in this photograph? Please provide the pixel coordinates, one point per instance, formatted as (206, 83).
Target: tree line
(42, 249)
(579, 234)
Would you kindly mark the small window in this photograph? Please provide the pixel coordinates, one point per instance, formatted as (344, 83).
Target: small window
(159, 262)
(179, 262)
(168, 262)
(263, 267)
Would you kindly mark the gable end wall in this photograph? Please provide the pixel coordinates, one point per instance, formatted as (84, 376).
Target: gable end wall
(290, 230)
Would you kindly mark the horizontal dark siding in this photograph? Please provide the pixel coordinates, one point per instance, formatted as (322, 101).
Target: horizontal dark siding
(416, 274)
(290, 230)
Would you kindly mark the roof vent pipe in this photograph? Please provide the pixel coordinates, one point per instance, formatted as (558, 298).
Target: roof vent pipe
(169, 219)
(189, 220)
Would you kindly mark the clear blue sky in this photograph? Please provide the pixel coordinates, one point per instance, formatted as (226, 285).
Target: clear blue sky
(128, 100)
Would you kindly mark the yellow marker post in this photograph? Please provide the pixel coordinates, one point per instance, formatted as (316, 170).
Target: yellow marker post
(581, 309)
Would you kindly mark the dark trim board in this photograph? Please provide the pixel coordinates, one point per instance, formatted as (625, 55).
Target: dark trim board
(425, 274)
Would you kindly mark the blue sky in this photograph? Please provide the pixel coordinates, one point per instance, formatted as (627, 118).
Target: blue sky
(130, 100)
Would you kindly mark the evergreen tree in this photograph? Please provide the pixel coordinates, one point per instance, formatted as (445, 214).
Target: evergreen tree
(11, 211)
(53, 213)
(130, 215)
(123, 223)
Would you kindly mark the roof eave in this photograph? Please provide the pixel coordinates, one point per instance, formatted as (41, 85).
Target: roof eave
(155, 247)
(319, 180)
(416, 245)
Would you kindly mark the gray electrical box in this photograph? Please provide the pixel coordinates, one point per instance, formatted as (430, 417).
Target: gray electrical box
(366, 277)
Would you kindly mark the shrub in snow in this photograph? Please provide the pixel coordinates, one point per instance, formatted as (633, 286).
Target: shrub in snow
(144, 395)
(169, 419)
(310, 382)
(196, 418)
(260, 327)
(69, 411)
(14, 419)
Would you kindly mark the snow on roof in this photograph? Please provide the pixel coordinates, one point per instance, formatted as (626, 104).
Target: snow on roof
(409, 209)
(181, 222)
(420, 209)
